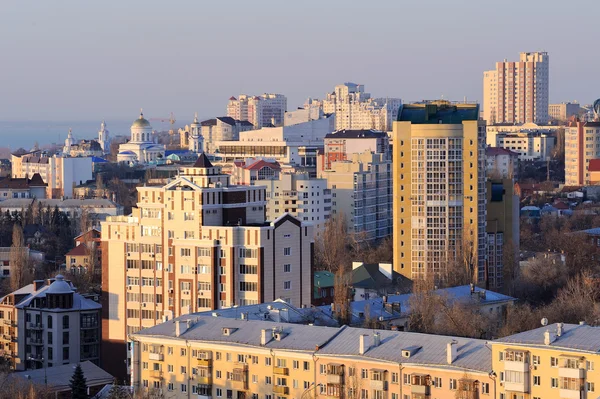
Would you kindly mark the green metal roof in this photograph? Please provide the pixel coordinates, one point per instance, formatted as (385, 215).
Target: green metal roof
(323, 279)
(438, 112)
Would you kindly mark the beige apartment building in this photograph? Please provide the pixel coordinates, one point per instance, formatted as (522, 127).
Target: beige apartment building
(361, 190)
(582, 144)
(517, 92)
(563, 111)
(439, 188)
(214, 357)
(198, 243)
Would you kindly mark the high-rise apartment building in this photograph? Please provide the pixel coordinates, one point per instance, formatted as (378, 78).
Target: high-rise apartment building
(361, 190)
(340, 145)
(582, 144)
(47, 324)
(261, 111)
(502, 229)
(517, 92)
(439, 189)
(197, 243)
(355, 109)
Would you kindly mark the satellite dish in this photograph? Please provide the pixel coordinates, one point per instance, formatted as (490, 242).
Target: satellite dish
(544, 322)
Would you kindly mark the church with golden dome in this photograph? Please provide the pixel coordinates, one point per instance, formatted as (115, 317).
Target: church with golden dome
(141, 148)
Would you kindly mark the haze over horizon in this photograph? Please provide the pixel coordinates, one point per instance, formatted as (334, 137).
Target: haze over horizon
(91, 61)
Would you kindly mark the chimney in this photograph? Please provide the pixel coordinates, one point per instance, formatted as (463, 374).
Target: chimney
(549, 337)
(362, 349)
(37, 284)
(384, 299)
(265, 336)
(376, 339)
(181, 327)
(451, 354)
(559, 329)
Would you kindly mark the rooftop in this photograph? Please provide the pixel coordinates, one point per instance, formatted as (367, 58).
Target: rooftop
(22, 183)
(493, 151)
(438, 112)
(573, 336)
(355, 134)
(59, 377)
(594, 165)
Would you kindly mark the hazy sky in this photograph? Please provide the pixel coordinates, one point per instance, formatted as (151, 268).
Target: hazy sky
(84, 60)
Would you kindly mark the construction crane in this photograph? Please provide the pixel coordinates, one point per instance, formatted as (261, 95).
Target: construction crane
(171, 119)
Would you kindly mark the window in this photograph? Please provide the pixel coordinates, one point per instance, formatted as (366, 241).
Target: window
(254, 379)
(50, 322)
(590, 387)
(182, 352)
(287, 268)
(287, 285)
(65, 339)
(364, 374)
(406, 379)
(183, 388)
(536, 360)
(453, 384)
(287, 251)
(554, 361)
(267, 361)
(323, 369)
(170, 368)
(295, 364)
(66, 354)
(219, 393)
(394, 378)
(219, 374)
(437, 382)
(65, 322)
(554, 382)
(183, 370)
(485, 388)
(589, 365)
(268, 380)
(536, 380)
(170, 387)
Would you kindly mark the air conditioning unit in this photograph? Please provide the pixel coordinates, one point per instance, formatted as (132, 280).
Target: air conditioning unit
(128, 253)
(152, 255)
(129, 287)
(170, 290)
(144, 304)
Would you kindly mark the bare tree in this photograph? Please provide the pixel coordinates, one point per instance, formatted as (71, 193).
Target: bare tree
(19, 262)
(332, 245)
(341, 297)
(510, 267)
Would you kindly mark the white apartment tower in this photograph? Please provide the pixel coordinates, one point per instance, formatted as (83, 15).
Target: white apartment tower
(517, 92)
(261, 111)
(104, 138)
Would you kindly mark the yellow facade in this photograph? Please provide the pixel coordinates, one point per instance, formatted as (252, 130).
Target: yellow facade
(438, 170)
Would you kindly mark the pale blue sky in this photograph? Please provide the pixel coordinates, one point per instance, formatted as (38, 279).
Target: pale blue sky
(84, 60)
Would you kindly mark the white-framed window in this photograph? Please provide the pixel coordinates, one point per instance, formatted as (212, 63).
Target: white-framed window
(287, 251)
(287, 285)
(287, 268)
(453, 384)
(537, 380)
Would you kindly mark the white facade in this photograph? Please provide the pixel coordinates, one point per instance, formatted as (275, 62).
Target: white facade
(59, 173)
(218, 129)
(263, 110)
(530, 147)
(501, 162)
(307, 199)
(517, 92)
(196, 140)
(492, 131)
(141, 147)
(104, 138)
(355, 109)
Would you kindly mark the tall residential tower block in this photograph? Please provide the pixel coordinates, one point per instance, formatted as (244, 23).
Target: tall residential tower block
(439, 189)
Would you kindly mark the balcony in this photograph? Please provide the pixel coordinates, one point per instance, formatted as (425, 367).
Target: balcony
(156, 373)
(571, 394)
(7, 337)
(204, 362)
(522, 367)
(522, 387)
(9, 323)
(280, 370)
(156, 356)
(572, 372)
(35, 341)
(35, 326)
(378, 385)
(334, 379)
(206, 380)
(281, 390)
(420, 390)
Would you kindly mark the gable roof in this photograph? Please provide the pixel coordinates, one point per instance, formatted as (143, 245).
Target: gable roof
(574, 336)
(22, 183)
(203, 162)
(261, 163)
(79, 250)
(369, 276)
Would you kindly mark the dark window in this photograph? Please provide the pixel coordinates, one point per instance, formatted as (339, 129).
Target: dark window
(49, 338)
(66, 338)
(50, 354)
(66, 322)
(66, 354)
(49, 321)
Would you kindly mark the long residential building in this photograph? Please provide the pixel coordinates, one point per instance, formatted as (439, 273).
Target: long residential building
(439, 189)
(340, 145)
(517, 92)
(198, 243)
(582, 144)
(47, 324)
(361, 191)
(214, 357)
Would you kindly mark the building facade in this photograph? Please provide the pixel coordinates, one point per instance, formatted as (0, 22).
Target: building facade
(214, 357)
(517, 92)
(340, 145)
(563, 111)
(439, 189)
(501, 163)
(60, 173)
(582, 144)
(104, 138)
(361, 191)
(530, 146)
(48, 324)
(354, 109)
(141, 148)
(261, 111)
(24, 187)
(502, 229)
(198, 243)
(211, 131)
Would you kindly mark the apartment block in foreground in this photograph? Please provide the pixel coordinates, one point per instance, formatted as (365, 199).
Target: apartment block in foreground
(216, 357)
(197, 243)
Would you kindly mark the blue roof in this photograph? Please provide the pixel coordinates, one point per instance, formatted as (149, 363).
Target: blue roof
(378, 309)
(592, 232)
(99, 160)
(178, 152)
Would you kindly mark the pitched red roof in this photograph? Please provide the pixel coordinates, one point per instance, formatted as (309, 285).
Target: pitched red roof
(594, 165)
(261, 164)
(80, 250)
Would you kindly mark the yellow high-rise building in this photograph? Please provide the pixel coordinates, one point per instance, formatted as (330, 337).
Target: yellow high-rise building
(439, 189)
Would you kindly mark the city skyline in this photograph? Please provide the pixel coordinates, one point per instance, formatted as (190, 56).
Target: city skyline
(118, 58)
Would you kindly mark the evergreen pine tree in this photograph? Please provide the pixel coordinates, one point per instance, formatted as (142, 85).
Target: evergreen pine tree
(78, 384)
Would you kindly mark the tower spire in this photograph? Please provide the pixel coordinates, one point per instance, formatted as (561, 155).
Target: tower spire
(141, 113)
